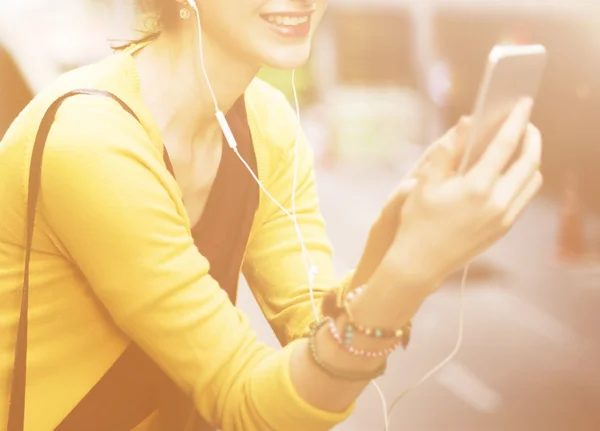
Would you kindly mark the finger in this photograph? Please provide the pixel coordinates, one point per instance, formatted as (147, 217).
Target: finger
(463, 129)
(509, 186)
(520, 203)
(443, 162)
(457, 145)
(532, 144)
(452, 141)
(512, 214)
(502, 147)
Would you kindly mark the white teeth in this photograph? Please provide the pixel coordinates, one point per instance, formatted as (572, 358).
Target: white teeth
(289, 21)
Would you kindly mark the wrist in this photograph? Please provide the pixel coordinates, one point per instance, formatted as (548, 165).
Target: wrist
(408, 262)
(395, 291)
(334, 353)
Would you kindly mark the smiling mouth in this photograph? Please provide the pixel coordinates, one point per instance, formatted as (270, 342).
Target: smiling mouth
(289, 24)
(286, 20)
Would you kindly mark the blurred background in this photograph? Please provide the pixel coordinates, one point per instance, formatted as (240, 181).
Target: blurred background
(386, 78)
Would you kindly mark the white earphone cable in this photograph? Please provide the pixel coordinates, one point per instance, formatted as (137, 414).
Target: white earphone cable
(308, 263)
(310, 267)
(194, 6)
(452, 355)
(311, 270)
(461, 317)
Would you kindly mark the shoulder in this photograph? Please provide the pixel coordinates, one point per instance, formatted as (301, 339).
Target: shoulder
(94, 124)
(273, 119)
(92, 141)
(84, 126)
(273, 114)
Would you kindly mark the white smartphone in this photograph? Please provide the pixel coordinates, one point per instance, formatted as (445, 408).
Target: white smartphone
(513, 72)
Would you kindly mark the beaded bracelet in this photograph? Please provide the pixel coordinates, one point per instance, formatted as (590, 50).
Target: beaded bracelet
(346, 343)
(334, 305)
(334, 372)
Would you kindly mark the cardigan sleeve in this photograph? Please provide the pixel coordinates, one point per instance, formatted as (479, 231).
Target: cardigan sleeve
(116, 210)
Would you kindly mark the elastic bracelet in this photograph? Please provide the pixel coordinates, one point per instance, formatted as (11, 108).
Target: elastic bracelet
(403, 333)
(346, 344)
(335, 305)
(334, 372)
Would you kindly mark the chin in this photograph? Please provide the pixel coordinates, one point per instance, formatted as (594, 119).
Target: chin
(283, 47)
(286, 57)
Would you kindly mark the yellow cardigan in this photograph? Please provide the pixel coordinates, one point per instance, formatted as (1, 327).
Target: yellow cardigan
(114, 261)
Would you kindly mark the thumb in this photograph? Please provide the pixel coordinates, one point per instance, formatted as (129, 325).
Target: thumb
(444, 155)
(423, 161)
(398, 197)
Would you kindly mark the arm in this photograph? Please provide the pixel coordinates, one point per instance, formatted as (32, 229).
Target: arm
(277, 276)
(117, 213)
(273, 265)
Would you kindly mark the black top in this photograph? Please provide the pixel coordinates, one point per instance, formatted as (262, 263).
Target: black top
(135, 387)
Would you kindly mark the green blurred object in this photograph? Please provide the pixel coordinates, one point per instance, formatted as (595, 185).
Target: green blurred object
(282, 80)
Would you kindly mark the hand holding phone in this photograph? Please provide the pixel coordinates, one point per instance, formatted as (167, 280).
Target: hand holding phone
(450, 218)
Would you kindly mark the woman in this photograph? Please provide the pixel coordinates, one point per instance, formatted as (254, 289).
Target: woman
(134, 268)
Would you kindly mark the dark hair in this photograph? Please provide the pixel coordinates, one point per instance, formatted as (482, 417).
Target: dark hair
(160, 15)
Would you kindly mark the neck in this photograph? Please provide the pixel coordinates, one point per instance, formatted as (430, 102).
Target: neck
(174, 87)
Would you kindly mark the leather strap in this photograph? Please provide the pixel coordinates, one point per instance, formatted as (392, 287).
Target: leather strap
(16, 413)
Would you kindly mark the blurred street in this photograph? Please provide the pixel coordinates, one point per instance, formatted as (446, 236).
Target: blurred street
(530, 351)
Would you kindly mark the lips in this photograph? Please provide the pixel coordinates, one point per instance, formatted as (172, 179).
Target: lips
(289, 24)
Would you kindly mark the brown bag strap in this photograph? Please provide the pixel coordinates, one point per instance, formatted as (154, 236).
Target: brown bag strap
(16, 412)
